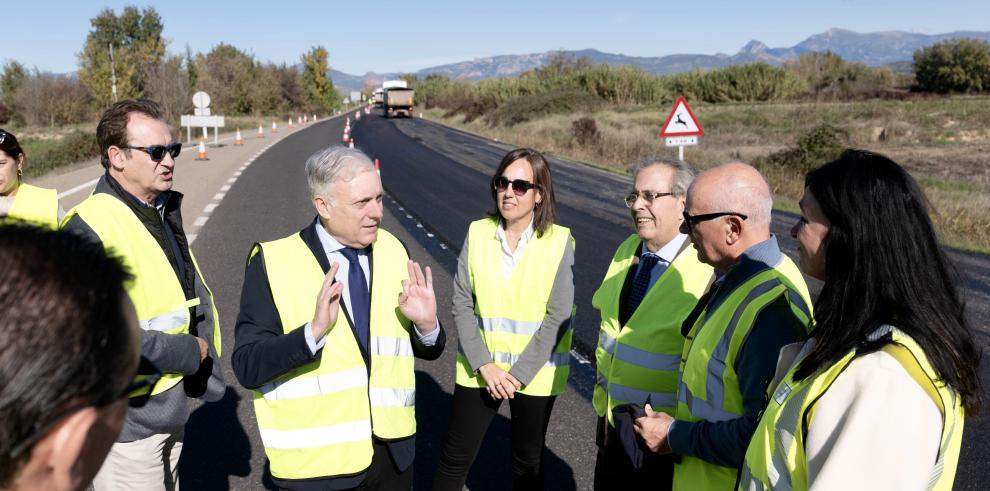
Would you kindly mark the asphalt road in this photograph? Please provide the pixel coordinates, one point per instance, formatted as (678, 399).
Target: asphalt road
(436, 180)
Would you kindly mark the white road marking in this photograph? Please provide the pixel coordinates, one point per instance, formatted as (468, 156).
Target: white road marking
(200, 221)
(210, 207)
(70, 192)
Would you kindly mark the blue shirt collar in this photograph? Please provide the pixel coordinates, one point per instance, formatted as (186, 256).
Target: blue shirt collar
(758, 257)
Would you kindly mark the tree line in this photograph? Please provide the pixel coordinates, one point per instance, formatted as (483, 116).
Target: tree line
(142, 66)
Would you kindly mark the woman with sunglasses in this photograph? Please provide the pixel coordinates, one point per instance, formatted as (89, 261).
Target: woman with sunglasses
(22, 201)
(513, 302)
(876, 398)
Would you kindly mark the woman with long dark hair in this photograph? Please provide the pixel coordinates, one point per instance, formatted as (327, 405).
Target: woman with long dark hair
(876, 398)
(513, 301)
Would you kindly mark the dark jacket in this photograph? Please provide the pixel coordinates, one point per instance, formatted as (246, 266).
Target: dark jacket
(178, 353)
(263, 351)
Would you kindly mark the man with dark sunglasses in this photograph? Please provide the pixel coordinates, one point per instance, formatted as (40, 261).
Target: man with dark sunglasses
(69, 349)
(135, 212)
(732, 338)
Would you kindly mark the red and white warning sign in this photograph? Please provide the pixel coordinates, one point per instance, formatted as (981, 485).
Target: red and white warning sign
(681, 121)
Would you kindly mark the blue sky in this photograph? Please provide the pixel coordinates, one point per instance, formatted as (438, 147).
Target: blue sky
(49, 34)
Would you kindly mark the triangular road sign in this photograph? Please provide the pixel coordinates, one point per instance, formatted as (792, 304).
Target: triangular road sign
(681, 121)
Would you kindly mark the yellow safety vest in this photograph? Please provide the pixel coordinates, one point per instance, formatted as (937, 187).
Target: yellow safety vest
(709, 388)
(35, 205)
(158, 297)
(510, 309)
(776, 456)
(638, 362)
(317, 420)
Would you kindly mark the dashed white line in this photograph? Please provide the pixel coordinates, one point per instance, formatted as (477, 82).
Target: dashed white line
(210, 207)
(218, 196)
(200, 221)
(231, 180)
(225, 188)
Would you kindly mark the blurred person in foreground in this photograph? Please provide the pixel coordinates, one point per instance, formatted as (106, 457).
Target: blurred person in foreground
(69, 350)
(877, 396)
(19, 200)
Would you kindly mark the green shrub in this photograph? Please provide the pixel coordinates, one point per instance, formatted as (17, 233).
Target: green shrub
(959, 65)
(528, 107)
(74, 147)
(823, 144)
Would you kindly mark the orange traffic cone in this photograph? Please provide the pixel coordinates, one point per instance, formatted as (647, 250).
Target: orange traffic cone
(261, 132)
(352, 143)
(237, 137)
(378, 168)
(347, 137)
(290, 122)
(201, 155)
(305, 118)
(274, 127)
(314, 118)
(298, 120)
(357, 116)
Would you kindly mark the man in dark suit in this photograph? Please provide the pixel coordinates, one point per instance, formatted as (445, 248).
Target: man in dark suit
(331, 320)
(652, 285)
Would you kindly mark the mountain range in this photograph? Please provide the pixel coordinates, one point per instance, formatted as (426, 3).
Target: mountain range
(894, 48)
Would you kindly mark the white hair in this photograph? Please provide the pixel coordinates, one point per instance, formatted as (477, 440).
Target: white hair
(332, 164)
(683, 172)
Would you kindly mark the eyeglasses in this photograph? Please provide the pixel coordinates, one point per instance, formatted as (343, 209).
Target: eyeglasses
(138, 392)
(648, 196)
(691, 220)
(519, 186)
(157, 152)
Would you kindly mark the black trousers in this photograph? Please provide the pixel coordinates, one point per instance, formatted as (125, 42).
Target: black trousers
(614, 470)
(472, 412)
(383, 475)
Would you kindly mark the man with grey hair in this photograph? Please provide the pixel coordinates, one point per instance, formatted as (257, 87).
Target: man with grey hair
(653, 283)
(331, 320)
(759, 304)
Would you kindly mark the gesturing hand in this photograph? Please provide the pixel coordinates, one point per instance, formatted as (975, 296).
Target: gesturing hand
(500, 384)
(417, 301)
(327, 304)
(653, 428)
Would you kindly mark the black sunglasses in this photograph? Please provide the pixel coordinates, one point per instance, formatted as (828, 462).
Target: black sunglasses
(519, 186)
(157, 152)
(691, 220)
(138, 392)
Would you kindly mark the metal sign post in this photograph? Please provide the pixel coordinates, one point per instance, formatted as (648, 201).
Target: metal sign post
(201, 117)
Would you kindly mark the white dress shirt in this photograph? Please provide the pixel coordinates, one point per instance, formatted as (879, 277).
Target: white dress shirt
(332, 247)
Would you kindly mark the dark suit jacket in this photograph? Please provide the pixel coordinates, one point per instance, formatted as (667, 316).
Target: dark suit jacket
(263, 352)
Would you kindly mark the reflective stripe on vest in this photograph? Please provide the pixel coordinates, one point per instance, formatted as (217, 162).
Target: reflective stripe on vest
(776, 456)
(510, 309)
(357, 431)
(638, 363)
(159, 299)
(169, 321)
(708, 388)
(35, 205)
(316, 421)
